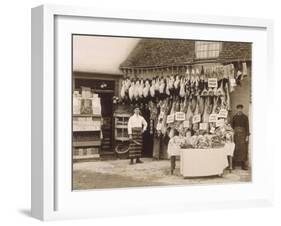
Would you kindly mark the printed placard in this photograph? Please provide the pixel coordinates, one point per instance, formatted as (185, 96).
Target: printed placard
(196, 118)
(212, 82)
(171, 118)
(203, 126)
(180, 116)
(186, 124)
(213, 118)
(220, 123)
(223, 113)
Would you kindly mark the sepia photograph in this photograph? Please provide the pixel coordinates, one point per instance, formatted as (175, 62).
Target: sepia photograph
(160, 112)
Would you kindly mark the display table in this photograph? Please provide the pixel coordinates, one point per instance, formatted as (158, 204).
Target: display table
(203, 162)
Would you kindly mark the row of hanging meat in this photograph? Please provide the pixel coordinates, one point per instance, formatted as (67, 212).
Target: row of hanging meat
(198, 99)
(196, 81)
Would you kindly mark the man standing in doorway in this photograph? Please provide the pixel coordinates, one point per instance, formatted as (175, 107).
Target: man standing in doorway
(136, 126)
(240, 124)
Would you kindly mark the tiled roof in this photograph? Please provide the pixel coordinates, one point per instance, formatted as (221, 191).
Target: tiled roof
(236, 51)
(167, 52)
(160, 52)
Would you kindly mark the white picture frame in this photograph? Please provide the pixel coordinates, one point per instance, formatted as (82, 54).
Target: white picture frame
(48, 168)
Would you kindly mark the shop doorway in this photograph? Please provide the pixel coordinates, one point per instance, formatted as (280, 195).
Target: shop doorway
(105, 89)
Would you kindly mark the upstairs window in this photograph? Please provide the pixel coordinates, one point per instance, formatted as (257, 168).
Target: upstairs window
(205, 50)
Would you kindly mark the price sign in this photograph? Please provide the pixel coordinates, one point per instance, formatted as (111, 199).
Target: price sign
(223, 113)
(186, 124)
(212, 82)
(171, 118)
(213, 118)
(196, 118)
(180, 116)
(220, 123)
(203, 126)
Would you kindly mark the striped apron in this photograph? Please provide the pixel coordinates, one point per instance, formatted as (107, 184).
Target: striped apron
(136, 143)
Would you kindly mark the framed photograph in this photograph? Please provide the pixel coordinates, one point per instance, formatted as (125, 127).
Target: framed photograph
(137, 112)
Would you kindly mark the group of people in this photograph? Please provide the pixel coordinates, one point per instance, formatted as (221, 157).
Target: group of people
(240, 124)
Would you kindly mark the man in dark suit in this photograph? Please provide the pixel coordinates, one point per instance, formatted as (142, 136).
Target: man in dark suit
(240, 124)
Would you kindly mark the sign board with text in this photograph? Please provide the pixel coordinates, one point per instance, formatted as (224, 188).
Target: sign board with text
(171, 118)
(212, 82)
(180, 116)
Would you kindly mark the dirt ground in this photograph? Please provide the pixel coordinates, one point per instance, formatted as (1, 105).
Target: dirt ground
(119, 174)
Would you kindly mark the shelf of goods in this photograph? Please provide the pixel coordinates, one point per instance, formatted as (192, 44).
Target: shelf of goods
(86, 136)
(86, 127)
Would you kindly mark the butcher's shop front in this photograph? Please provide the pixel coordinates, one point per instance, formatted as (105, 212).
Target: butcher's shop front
(180, 108)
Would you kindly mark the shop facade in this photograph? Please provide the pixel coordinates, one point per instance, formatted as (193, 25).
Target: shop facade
(150, 60)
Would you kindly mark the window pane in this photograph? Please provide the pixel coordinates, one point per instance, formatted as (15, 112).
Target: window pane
(207, 49)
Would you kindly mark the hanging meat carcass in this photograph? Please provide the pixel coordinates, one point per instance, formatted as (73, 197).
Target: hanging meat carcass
(167, 90)
(182, 87)
(140, 88)
(206, 113)
(193, 103)
(136, 89)
(185, 105)
(122, 91)
(189, 114)
(146, 89)
(157, 84)
(162, 86)
(131, 91)
(244, 70)
(201, 104)
(182, 106)
(173, 109)
(195, 126)
(227, 93)
(152, 88)
(177, 105)
(177, 85)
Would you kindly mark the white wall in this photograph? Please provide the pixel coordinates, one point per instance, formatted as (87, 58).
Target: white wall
(101, 54)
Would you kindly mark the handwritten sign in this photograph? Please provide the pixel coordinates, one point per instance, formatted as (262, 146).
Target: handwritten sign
(186, 124)
(180, 116)
(220, 123)
(213, 117)
(196, 118)
(171, 118)
(212, 82)
(203, 126)
(223, 113)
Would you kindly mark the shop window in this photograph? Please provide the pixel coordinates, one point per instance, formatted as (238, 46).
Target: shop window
(206, 50)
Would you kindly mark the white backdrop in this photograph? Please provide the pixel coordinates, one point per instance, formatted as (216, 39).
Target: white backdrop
(15, 112)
